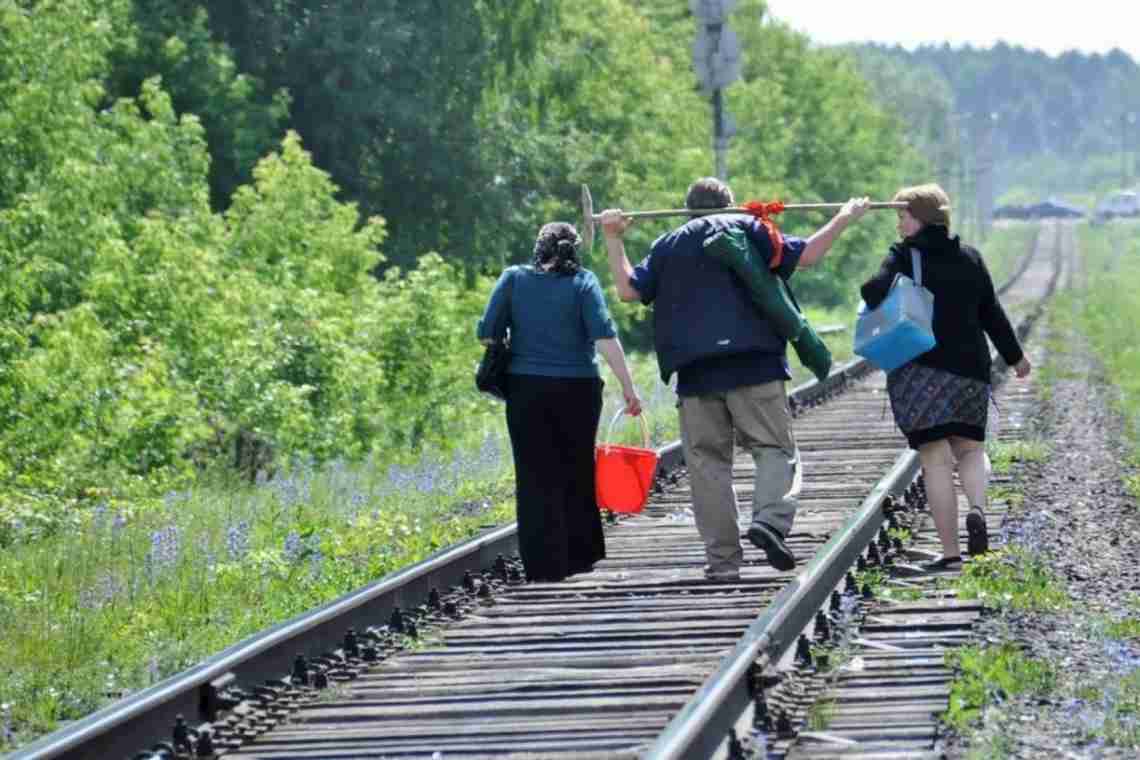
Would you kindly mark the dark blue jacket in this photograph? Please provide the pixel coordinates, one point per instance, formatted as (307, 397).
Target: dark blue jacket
(701, 309)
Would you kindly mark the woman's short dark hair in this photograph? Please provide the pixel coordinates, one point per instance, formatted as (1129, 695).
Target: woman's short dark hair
(558, 242)
(708, 192)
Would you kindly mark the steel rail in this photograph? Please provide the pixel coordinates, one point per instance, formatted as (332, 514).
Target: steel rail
(702, 724)
(132, 723)
(1023, 264)
(700, 727)
(143, 719)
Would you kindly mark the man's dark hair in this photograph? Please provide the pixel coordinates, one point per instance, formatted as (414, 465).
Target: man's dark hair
(708, 192)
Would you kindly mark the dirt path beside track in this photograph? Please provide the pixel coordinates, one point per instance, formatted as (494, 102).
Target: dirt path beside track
(1078, 517)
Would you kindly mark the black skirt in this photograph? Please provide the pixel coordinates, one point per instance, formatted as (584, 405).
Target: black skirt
(553, 423)
(930, 404)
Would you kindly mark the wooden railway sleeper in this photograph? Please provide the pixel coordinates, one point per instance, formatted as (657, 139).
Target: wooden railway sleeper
(781, 699)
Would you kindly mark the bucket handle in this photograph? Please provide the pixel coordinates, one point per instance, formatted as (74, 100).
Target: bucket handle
(614, 421)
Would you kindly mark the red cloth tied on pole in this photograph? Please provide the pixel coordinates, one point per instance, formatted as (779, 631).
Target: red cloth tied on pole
(764, 211)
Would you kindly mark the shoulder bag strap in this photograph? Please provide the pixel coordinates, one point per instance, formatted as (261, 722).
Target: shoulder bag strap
(512, 273)
(916, 263)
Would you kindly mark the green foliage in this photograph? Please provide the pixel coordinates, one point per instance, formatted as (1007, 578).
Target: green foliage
(387, 96)
(1012, 578)
(1006, 495)
(598, 105)
(1108, 311)
(903, 594)
(50, 62)
(821, 714)
(1132, 485)
(1125, 628)
(1006, 247)
(989, 674)
(919, 97)
(874, 577)
(427, 354)
(1121, 727)
(902, 534)
(242, 121)
(1003, 454)
(144, 337)
(1070, 104)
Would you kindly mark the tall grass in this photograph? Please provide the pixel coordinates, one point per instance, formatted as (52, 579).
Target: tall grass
(1110, 311)
(134, 596)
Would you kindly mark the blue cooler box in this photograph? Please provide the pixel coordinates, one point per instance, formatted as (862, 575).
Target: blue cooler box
(899, 329)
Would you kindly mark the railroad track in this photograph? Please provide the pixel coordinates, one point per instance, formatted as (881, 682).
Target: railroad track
(457, 657)
(887, 705)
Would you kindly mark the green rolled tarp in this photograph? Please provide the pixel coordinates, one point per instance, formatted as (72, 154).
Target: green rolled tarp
(772, 297)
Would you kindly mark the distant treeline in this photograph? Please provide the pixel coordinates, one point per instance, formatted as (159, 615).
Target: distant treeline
(1051, 124)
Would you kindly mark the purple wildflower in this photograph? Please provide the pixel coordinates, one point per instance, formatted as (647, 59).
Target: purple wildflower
(164, 550)
(108, 588)
(237, 541)
(99, 516)
(8, 735)
(294, 547)
(118, 524)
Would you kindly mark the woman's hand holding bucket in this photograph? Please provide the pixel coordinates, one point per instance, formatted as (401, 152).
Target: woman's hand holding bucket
(632, 401)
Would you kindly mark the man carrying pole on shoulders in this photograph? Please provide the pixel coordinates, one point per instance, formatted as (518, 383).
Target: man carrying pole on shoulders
(731, 367)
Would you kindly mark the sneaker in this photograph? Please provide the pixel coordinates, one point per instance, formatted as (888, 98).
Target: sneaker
(724, 574)
(767, 538)
(943, 563)
(977, 539)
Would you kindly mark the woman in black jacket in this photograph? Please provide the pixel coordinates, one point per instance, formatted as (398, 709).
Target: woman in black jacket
(940, 399)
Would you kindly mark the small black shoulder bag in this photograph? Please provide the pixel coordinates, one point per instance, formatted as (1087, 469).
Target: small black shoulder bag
(491, 376)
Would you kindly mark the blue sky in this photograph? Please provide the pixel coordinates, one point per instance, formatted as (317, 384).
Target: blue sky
(1091, 26)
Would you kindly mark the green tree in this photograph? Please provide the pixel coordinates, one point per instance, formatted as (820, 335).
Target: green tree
(242, 120)
(386, 96)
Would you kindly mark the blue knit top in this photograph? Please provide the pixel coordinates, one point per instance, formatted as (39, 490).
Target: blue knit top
(553, 319)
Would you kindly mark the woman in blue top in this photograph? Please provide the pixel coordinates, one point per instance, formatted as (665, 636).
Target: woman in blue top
(557, 317)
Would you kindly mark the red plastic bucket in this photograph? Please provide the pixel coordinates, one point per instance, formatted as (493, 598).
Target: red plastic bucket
(624, 474)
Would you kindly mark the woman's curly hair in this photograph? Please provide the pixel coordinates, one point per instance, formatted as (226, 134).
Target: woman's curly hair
(558, 241)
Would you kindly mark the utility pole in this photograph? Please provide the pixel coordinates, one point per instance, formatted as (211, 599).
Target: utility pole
(963, 168)
(985, 169)
(716, 59)
(1127, 121)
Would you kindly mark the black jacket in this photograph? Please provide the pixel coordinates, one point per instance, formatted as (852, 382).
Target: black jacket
(966, 309)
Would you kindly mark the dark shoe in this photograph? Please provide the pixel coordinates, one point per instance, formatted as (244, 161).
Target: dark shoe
(977, 539)
(767, 538)
(722, 574)
(945, 563)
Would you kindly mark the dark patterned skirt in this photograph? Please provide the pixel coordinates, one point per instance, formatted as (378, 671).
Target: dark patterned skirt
(931, 404)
